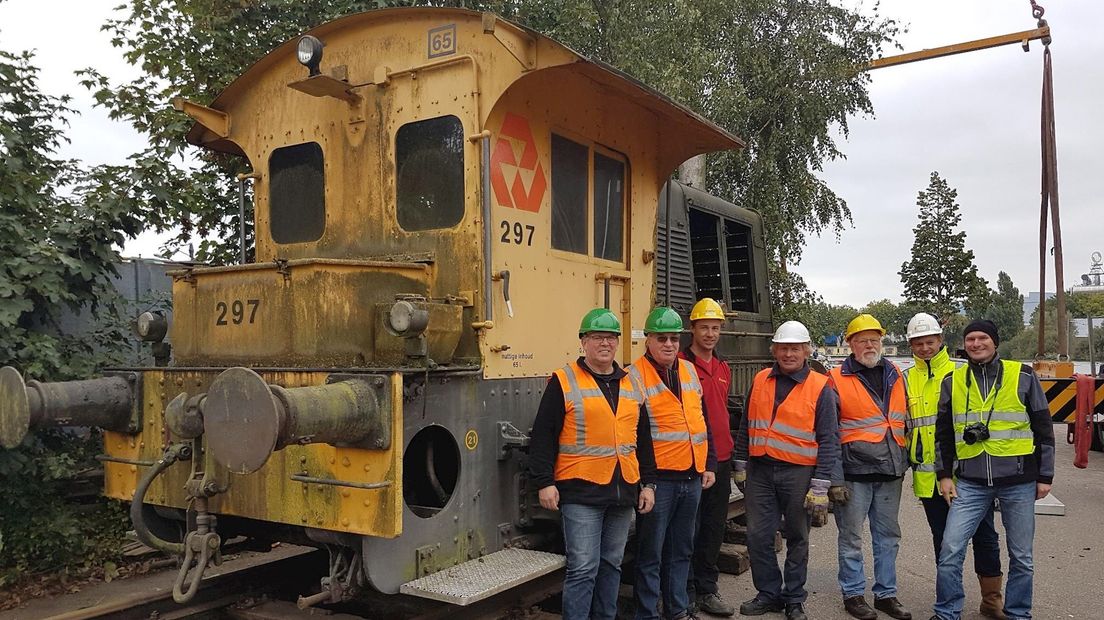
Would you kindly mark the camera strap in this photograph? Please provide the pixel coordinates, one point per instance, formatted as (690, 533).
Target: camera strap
(993, 394)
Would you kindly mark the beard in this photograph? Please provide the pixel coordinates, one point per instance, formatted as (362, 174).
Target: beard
(871, 359)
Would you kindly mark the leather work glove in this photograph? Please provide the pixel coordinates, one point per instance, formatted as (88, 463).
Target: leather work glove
(816, 502)
(739, 474)
(839, 495)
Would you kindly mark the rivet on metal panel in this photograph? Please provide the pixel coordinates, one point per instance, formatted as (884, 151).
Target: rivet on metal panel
(345, 462)
(333, 460)
(379, 442)
(367, 468)
(345, 493)
(319, 521)
(367, 502)
(303, 459)
(345, 522)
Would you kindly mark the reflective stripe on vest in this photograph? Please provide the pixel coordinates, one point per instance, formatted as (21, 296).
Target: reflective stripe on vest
(1009, 427)
(595, 439)
(860, 417)
(922, 388)
(787, 433)
(679, 435)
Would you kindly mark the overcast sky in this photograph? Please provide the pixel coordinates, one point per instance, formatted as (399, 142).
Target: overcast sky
(973, 117)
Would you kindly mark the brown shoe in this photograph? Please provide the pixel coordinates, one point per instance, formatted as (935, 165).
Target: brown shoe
(992, 603)
(892, 607)
(857, 607)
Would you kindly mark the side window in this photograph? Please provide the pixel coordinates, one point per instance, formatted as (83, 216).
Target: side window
(741, 282)
(609, 207)
(706, 252)
(569, 195)
(429, 173)
(297, 193)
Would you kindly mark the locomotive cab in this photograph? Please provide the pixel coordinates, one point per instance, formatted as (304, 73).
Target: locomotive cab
(438, 198)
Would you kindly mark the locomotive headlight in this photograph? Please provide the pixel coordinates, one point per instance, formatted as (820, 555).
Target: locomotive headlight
(310, 53)
(406, 319)
(151, 326)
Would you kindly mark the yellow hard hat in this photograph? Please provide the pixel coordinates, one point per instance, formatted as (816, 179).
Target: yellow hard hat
(862, 323)
(707, 308)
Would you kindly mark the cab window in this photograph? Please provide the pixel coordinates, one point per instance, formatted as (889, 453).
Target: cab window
(721, 251)
(588, 200)
(741, 280)
(569, 195)
(609, 206)
(297, 193)
(429, 175)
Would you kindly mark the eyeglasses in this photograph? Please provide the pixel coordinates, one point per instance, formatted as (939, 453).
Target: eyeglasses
(868, 341)
(601, 338)
(667, 338)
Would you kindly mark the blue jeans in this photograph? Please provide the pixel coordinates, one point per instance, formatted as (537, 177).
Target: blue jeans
(669, 528)
(880, 501)
(1017, 509)
(986, 540)
(594, 537)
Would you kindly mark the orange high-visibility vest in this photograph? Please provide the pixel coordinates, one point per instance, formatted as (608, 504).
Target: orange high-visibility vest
(860, 417)
(679, 436)
(791, 435)
(595, 439)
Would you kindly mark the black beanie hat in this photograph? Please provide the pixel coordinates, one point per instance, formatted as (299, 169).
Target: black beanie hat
(983, 325)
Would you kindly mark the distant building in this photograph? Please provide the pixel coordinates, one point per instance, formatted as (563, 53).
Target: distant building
(1031, 301)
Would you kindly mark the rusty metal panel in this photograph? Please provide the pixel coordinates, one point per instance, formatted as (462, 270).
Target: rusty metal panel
(270, 494)
(312, 313)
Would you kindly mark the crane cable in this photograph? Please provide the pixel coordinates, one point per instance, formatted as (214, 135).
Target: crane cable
(1049, 203)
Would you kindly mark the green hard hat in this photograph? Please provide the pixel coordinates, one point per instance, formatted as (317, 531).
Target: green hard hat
(599, 320)
(663, 320)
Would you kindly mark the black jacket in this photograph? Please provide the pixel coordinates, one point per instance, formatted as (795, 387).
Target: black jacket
(544, 447)
(998, 470)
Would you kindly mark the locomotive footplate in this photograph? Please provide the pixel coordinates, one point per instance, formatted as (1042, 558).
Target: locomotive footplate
(484, 577)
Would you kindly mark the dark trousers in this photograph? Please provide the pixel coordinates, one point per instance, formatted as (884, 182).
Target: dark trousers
(986, 541)
(776, 490)
(712, 517)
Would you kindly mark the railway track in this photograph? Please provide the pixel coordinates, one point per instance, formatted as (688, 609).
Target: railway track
(266, 586)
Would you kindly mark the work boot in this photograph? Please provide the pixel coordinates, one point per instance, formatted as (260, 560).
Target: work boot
(758, 607)
(713, 604)
(795, 611)
(858, 608)
(892, 607)
(992, 602)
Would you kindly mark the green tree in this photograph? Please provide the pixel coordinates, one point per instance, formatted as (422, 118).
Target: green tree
(1005, 308)
(941, 274)
(822, 319)
(783, 75)
(55, 254)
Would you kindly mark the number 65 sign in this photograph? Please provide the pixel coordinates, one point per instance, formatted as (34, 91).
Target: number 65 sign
(442, 41)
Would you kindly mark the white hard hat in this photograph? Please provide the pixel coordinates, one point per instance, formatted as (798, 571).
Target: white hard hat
(922, 324)
(791, 331)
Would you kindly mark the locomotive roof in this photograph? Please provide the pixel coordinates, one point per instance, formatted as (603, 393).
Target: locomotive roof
(712, 136)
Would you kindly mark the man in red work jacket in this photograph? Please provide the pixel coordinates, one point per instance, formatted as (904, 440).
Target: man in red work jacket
(706, 319)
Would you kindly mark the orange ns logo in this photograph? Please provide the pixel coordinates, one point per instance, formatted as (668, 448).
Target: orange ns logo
(516, 173)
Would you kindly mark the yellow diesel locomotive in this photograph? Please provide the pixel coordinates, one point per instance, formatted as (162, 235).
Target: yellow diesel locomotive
(438, 197)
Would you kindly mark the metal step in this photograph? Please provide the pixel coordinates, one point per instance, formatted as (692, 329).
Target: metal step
(483, 577)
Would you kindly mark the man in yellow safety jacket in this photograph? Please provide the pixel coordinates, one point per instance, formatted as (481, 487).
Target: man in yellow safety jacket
(994, 433)
(931, 364)
(590, 457)
(685, 464)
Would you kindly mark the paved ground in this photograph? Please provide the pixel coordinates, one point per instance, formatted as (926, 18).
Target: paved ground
(1069, 555)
